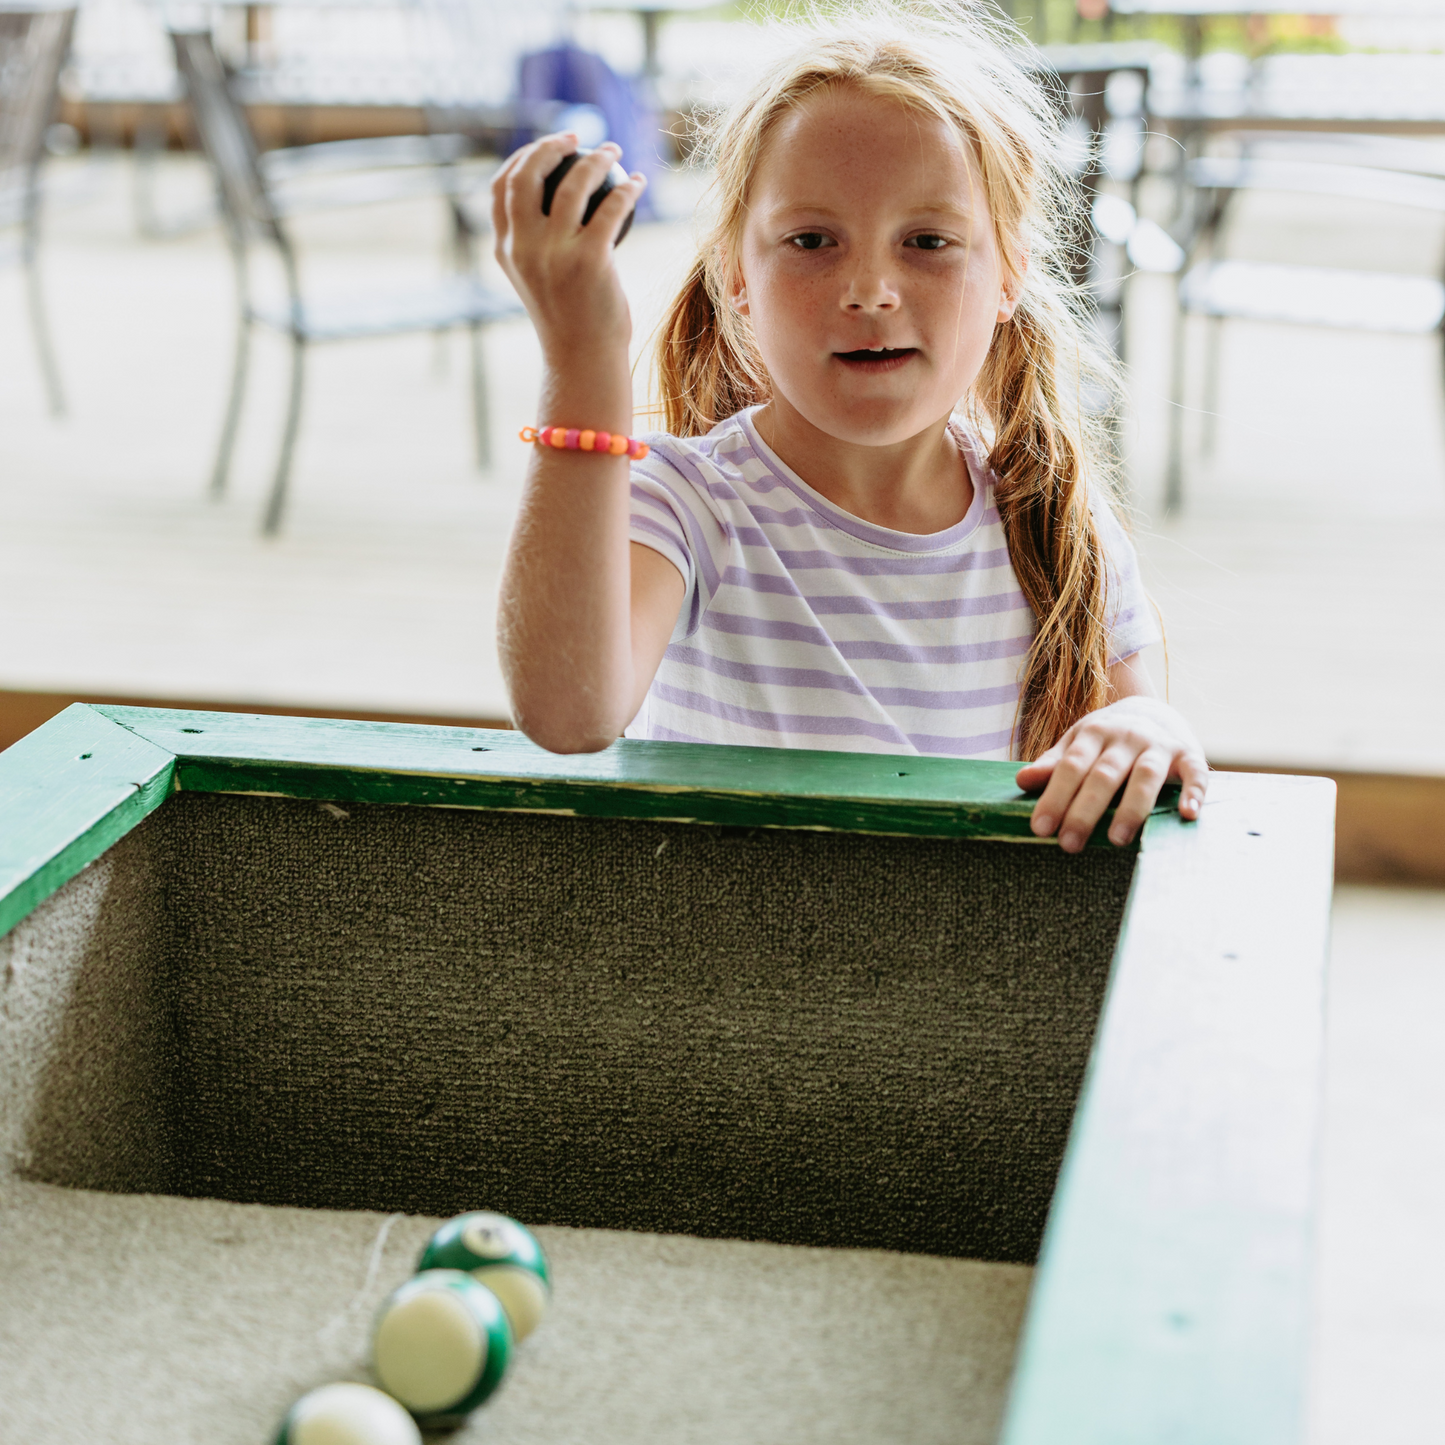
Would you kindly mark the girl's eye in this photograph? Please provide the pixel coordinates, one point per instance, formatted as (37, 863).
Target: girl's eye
(928, 243)
(809, 241)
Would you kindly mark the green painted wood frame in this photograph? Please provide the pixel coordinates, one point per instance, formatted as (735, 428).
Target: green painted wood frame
(1171, 1301)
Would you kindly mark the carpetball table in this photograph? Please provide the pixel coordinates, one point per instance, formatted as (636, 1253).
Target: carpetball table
(846, 1110)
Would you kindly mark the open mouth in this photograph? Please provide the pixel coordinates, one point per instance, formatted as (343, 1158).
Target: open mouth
(880, 357)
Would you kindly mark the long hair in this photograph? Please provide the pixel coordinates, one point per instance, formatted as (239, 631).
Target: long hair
(1049, 452)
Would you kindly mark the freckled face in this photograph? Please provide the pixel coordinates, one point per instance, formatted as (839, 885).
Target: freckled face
(868, 266)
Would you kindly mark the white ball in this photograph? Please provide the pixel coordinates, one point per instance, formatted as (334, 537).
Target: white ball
(348, 1415)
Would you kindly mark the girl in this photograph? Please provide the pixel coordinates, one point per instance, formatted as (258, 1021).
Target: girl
(819, 554)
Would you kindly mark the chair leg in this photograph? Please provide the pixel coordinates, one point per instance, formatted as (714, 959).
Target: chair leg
(49, 370)
(1213, 337)
(149, 141)
(222, 470)
(1174, 474)
(480, 406)
(271, 524)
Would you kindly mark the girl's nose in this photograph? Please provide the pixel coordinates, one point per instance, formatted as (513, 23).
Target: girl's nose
(871, 287)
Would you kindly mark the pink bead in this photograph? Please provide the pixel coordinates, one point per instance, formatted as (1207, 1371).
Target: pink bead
(574, 437)
(604, 440)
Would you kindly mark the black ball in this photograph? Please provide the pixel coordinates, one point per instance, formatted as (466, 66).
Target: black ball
(615, 177)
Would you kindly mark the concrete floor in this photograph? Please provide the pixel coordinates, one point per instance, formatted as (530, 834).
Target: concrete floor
(1302, 591)
(1379, 1367)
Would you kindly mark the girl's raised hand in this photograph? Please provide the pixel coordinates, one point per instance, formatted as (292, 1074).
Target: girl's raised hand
(562, 269)
(1138, 739)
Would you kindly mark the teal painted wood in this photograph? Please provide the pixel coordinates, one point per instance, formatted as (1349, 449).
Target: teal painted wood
(1170, 1303)
(67, 792)
(52, 837)
(465, 767)
(1171, 1299)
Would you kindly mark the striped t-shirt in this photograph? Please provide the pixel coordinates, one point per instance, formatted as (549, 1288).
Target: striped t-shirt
(804, 626)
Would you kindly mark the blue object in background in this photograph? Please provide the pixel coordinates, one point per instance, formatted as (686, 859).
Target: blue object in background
(578, 77)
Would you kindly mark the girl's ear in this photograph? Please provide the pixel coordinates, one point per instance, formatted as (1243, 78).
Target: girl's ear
(1013, 285)
(737, 289)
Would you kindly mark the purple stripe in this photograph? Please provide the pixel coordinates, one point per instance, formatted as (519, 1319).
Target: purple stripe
(668, 735)
(962, 747)
(776, 722)
(764, 674)
(735, 625)
(895, 566)
(850, 604)
(739, 626)
(994, 651)
(919, 611)
(760, 582)
(797, 517)
(641, 497)
(656, 529)
(953, 701)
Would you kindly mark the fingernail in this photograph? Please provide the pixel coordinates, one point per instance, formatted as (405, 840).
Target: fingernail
(1118, 835)
(1042, 824)
(1070, 842)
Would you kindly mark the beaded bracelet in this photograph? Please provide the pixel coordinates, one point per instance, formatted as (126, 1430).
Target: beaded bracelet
(571, 438)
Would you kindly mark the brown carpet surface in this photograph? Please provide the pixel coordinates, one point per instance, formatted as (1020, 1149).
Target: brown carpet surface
(631, 1032)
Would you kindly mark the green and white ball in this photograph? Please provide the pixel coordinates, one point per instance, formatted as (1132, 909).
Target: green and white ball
(504, 1256)
(441, 1345)
(347, 1415)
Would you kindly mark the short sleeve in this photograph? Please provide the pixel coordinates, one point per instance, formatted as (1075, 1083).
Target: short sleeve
(1133, 622)
(663, 517)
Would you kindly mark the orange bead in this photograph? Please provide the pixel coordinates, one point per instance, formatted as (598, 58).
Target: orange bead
(618, 446)
(586, 439)
(557, 436)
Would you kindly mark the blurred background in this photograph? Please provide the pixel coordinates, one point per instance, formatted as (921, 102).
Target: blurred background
(261, 380)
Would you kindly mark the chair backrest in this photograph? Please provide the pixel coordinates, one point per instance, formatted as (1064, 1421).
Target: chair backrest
(1412, 155)
(1359, 183)
(226, 134)
(33, 45)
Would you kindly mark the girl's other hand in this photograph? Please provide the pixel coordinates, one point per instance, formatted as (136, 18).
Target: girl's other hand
(1138, 740)
(562, 269)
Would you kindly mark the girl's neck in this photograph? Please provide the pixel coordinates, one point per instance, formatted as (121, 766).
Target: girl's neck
(920, 485)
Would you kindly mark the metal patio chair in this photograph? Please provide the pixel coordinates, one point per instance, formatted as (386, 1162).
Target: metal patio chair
(253, 208)
(33, 47)
(1220, 288)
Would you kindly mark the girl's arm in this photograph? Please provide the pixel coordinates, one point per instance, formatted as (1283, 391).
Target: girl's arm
(584, 614)
(1138, 738)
